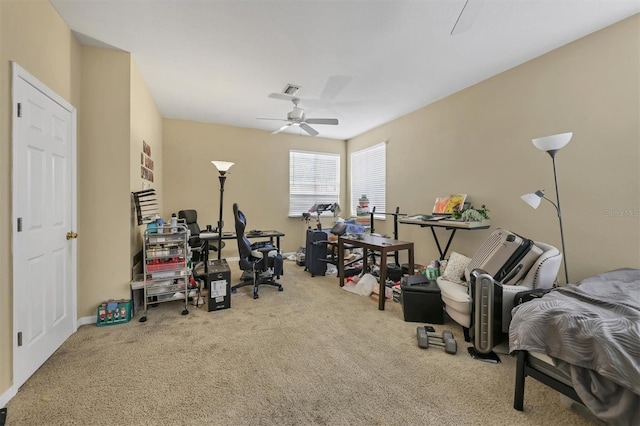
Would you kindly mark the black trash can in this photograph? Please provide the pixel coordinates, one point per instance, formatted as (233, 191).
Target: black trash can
(394, 272)
(421, 300)
(405, 268)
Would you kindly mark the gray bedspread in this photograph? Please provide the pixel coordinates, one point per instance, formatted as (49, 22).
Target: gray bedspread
(591, 330)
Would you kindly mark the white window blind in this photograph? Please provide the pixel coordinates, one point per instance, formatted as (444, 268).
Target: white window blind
(314, 178)
(368, 177)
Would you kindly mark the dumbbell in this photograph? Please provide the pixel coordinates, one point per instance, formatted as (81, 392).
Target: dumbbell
(446, 340)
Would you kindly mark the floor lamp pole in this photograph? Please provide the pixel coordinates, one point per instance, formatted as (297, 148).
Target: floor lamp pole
(222, 179)
(552, 153)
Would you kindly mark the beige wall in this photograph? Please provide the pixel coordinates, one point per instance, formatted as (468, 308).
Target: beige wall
(146, 125)
(478, 141)
(258, 182)
(45, 48)
(104, 200)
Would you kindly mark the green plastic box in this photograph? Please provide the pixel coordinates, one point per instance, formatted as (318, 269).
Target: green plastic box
(114, 312)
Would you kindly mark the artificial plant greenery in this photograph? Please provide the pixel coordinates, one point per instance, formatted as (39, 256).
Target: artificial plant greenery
(472, 214)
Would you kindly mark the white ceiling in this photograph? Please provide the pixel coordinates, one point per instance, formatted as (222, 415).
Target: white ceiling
(363, 62)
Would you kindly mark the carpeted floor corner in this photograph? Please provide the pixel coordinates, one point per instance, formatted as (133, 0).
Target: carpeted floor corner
(313, 354)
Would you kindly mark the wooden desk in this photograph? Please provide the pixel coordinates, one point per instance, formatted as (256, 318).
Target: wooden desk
(451, 225)
(379, 244)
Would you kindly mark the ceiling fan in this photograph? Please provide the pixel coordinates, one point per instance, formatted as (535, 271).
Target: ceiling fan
(297, 118)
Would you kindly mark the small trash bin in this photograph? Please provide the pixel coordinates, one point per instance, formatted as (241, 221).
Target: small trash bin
(394, 272)
(405, 268)
(421, 300)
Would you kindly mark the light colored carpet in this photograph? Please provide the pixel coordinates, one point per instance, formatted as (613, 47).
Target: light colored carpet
(313, 354)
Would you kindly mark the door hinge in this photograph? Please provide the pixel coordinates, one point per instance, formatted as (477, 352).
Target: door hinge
(19, 109)
(19, 338)
(19, 224)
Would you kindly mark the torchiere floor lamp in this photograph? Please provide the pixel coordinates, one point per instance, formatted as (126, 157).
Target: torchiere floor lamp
(223, 167)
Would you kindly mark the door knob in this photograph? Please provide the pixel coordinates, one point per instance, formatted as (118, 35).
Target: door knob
(71, 235)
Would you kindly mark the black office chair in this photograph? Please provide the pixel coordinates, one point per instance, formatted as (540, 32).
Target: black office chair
(198, 247)
(258, 267)
(199, 253)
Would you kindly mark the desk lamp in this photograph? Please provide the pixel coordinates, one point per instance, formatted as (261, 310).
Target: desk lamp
(223, 167)
(551, 144)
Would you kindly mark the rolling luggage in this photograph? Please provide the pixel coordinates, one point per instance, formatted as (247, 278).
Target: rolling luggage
(316, 252)
(505, 256)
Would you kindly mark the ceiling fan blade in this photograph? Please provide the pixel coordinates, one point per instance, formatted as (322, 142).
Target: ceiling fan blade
(334, 86)
(281, 129)
(467, 16)
(332, 121)
(308, 129)
(275, 119)
(282, 96)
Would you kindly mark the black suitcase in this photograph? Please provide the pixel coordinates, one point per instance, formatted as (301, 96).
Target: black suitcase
(505, 256)
(316, 252)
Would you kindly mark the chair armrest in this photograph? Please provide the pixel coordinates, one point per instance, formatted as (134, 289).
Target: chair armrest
(265, 250)
(262, 252)
(544, 271)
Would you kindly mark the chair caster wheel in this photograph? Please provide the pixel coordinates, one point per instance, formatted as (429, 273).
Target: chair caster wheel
(280, 288)
(185, 312)
(143, 319)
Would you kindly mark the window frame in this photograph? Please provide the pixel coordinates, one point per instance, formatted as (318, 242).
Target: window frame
(317, 196)
(369, 156)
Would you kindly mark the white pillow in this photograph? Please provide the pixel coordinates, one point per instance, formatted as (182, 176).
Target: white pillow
(456, 265)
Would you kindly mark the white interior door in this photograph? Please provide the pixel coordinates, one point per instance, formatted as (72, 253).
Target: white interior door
(44, 264)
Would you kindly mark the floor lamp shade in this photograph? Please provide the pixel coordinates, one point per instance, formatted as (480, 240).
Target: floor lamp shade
(222, 166)
(553, 142)
(533, 199)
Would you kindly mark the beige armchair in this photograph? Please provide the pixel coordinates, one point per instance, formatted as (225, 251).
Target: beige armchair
(457, 298)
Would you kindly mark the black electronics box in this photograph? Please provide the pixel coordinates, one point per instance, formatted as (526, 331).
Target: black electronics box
(219, 285)
(421, 300)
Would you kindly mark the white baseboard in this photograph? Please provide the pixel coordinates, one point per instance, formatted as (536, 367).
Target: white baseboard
(6, 396)
(86, 320)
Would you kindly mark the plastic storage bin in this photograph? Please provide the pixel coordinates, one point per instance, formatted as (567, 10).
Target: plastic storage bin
(421, 300)
(114, 312)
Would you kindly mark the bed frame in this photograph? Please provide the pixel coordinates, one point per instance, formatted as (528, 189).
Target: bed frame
(529, 365)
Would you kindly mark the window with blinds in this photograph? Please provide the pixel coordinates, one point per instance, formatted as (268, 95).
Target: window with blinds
(314, 178)
(368, 177)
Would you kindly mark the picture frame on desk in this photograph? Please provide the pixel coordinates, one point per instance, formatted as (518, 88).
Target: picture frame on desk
(450, 204)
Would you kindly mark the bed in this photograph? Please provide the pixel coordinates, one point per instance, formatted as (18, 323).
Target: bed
(584, 341)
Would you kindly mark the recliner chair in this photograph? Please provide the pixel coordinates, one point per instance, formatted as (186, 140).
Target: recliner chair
(260, 262)
(457, 298)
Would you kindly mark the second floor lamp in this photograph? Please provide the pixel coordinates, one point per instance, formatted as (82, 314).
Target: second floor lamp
(223, 167)
(551, 144)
